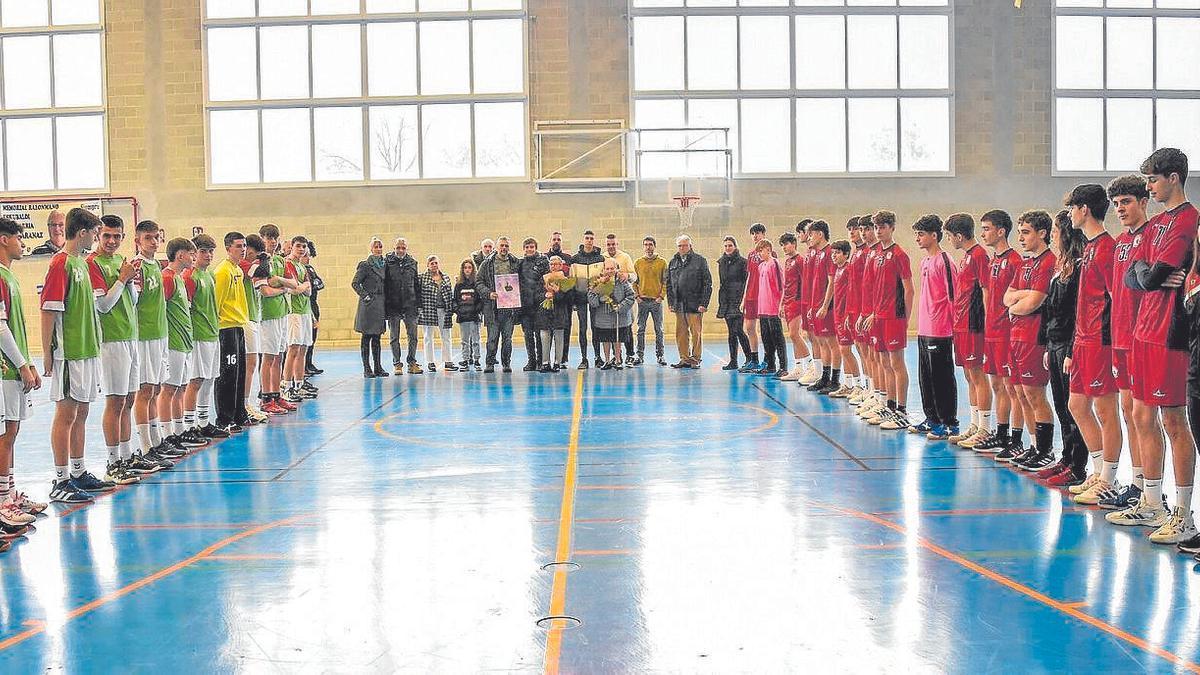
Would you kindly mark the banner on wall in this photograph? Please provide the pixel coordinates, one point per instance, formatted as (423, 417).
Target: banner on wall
(32, 215)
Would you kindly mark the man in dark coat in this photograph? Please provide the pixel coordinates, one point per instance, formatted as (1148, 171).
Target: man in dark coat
(585, 266)
(534, 266)
(499, 321)
(402, 301)
(689, 289)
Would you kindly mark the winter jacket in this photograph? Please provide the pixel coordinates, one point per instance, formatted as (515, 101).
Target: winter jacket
(485, 283)
(370, 317)
(731, 270)
(431, 293)
(467, 305)
(318, 285)
(1058, 312)
(586, 266)
(603, 314)
(567, 258)
(689, 283)
(556, 317)
(401, 291)
(531, 270)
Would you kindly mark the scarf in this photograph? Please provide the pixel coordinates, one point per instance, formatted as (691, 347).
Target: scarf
(376, 261)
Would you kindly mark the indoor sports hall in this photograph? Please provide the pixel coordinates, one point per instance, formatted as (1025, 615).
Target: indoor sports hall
(599, 336)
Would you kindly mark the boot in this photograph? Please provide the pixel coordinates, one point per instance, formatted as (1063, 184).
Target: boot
(365, 352)
(375, 350)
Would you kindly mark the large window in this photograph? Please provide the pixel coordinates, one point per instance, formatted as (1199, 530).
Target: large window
(805, 86)
(354, 91)
(52, 96)
(1125, 82)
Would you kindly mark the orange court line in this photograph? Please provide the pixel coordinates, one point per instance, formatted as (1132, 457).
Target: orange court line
(614, 551)
(566, 518)
(1071, 609)
(975, 512)
(24, 635)
(249, 556)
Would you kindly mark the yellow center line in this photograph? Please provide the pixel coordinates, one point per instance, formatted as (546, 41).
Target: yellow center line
(566, 521)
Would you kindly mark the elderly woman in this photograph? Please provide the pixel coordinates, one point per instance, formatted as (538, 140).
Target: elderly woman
(554, 314)
(611, 304)
(437, 312)
(370, 318)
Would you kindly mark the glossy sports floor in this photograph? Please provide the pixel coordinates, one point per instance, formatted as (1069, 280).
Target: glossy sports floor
(713, 522)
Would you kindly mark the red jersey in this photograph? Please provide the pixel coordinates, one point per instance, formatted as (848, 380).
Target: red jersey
(1001, 271)
(1094, 305)
(752, 262)
(866, 290)
(842, 276)
(892, 267)
(1033, 275)
(858, 258)
(792, 270)
(970, 275)
(1125, 300)
(1169, 237)
(818, 268)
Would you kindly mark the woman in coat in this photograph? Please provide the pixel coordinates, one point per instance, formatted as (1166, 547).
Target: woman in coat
(611, 303)
(468, 308)
(437, 312)
(370, 318)
(731, 273)
(554, 315)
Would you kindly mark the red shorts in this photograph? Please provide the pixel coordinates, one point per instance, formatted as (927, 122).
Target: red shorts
(862, 337)
(1120, 366)
(844, 329)
(791, 310)
(750, 311)
(891, 335)
(1159, 375)
(822, 327)
(805, 319)
(968, 350)
(997, 358)
(1092, 371)
(1029, 365)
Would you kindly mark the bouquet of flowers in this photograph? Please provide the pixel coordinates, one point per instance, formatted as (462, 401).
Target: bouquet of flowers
(555, 282)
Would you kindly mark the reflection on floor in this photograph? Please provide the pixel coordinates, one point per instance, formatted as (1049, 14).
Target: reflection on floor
(716, 522)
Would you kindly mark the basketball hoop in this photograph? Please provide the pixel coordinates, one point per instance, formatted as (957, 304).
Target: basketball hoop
(687, 208)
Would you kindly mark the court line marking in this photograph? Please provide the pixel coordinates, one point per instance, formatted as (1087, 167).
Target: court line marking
(1071, 609)
(336, 436)
(566, 518)
(828, 439)
(149, 579)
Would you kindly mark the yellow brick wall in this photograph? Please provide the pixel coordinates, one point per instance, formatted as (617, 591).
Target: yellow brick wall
(579, 70)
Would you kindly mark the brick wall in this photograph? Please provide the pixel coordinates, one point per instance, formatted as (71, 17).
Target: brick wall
(579, 70)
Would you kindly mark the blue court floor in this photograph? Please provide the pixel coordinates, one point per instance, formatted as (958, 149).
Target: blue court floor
(706, 521)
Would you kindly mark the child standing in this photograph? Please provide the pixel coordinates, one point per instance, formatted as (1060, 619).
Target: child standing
(770, 294)
(467, 309)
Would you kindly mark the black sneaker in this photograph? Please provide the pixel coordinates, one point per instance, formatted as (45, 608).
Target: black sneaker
(630, 361)
(9, 532)
(175, 443)
(1011, 452)
(661, 360)
(140, 466)
(732, 365)
(67, 491)
(1190, 546)
(992, 445)
(210, 430)
(637, 360)
(118, 473)
(165, 450)
(1025, 454)
(308, 386)
(89, 483)
(490, 368)
(818, 385)
(828, 388)
(1037, 462)
(583, 365)
(192, 439)
(607, 365)
(157, 460)
(530, 367)
(506, 369)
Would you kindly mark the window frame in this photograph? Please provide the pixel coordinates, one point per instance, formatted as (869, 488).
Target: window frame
(1104, 94)
(52, 113)
(792, 94)
(364, 101)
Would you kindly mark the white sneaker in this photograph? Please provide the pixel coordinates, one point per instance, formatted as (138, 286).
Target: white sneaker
(1179, 527)
(870, 408)
(1142, 513)
(964, 434)
(882, 415)
(793, 375)
(896, 420)
(857, 398)
(1085, 485)
(1099, 489)
(841, 392)
(810, 376)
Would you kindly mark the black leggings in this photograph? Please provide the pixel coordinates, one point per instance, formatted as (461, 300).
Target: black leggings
(736, 336)
(369, 347)
(1075, 452)
(308, 364)
(774, 346)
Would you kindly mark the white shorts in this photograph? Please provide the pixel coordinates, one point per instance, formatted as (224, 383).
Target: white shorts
(206, 360)
(300, 329)
(251, 330)
(119, 361)
(152, 361)
(272, 336)
(16, 401)
(179, 368)
(77, 380)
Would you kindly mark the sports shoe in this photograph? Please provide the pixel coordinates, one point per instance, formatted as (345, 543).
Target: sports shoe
(193, 439)
(256, 414)
(970, 431)
(829, 388)
(1037, 462)
(67, 491)
(90, 483)
(309, 386)
(793, 375)
(1101, 489)
(732, 365)
(10, 532)
(140, 466)
(397, 370)
(1010, 452)
(1123, 499)
(841, 392)
(1142, 513)
(970, 442)
(1179, 527)
(164, 449)
(286, 405)
(303, 394)
(871, 407)
(28, 505)
(882, 415)
(991, 445)
(288, 396)
(157, 460)
(858, 398)
(1057, 467)
(1189, 546)
(1085, 485)
(415, 369)
(749, 366)
(941, 432)
(1026, 454)
(810, 376)
(272, 408)
(896, 421)
(12, 514)
(1066, 478)
(119, 475)
(923, 428)
(174, 443)
(210, 430)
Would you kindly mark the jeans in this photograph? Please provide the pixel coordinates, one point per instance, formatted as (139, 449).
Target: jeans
(469, 334)
(501, 326)
(581, 312)
(1075, 452)
(231, 380)
(551, 339)
(410, 324)
(533, 341)
(736, 336)
(447, 346)
(939, 388)
(687, 335)
(652, 309)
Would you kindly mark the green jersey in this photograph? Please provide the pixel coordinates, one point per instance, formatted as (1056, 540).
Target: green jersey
(120, 323)
(179, 313)
(253, 299)
(69, 290)
(275, 307)
(299, 303)
(152, 306)
(12, 312)
(202, 289)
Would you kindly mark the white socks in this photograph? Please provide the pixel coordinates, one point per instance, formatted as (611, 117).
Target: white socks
(144, 437)
(1097, 461)
(1183, 497)
(125, 450)
(1153, 493)
(1108, 471)
(77, 468)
